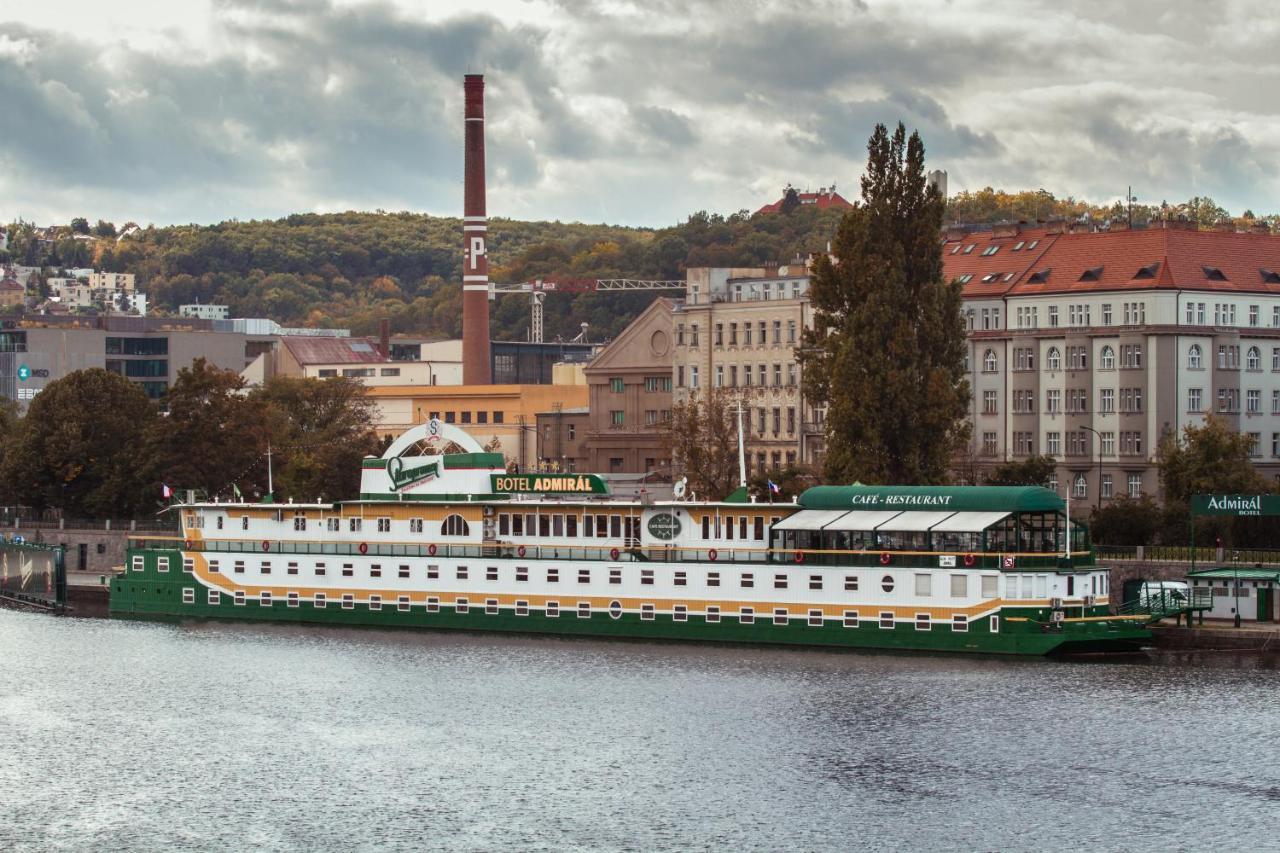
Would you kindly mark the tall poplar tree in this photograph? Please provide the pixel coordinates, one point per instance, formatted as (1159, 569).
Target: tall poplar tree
(886, 353)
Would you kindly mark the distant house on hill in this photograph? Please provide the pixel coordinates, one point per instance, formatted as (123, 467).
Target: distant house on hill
(825, 198)
(11, 293)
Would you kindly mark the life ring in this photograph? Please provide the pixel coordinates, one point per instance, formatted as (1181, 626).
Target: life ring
(431, 550)
(614, 553)
(969, 560)
(799, 556)
(713, 554)
(520, 551)
(187, 544)
(885, 558)
(266, 546)
(364, 548)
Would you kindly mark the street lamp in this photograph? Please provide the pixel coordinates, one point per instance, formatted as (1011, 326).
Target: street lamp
(1098, 503)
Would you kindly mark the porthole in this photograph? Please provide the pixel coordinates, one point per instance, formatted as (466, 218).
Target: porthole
(615, 609)
(886, 583)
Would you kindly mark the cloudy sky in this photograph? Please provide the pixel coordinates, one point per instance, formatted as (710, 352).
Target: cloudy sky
(626, 112)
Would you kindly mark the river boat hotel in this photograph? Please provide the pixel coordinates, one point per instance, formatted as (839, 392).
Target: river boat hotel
(452, 541)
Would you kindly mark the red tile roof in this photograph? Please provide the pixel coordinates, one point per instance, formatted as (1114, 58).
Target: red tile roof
(823, 200)
(324, 350)
(1155, 258)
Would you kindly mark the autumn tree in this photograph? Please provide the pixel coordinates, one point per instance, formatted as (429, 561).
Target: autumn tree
(1032, 471)
(886, 354)
(213, 436)
(79, 448)
(703, 441)
(321, 430)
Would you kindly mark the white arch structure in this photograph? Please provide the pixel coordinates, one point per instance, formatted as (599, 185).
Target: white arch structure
(431, 432)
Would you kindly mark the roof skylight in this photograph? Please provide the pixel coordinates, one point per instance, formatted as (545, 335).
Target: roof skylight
(1213, 274)
(1040, 277)
(1269, 276)
(1091, 274)
(1149, 271)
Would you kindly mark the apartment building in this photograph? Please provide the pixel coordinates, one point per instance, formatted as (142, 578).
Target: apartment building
(738, 330)
(630, 387)
(1089, 346)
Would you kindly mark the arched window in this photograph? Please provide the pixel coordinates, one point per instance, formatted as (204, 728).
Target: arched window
(1195, 357)
(1053, 361)
(1081, 489)
(989, 361)
(455, 525)
(1108, 358)
(1253, 359)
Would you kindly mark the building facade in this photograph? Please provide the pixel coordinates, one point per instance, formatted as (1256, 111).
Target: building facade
(1089, 346)
(562, 439)
(737, 331)
(630, 388)
(205, 312)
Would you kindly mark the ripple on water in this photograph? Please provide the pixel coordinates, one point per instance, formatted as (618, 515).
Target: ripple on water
(137, 736)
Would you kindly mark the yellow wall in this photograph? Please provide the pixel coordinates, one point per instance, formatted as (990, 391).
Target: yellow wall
(399, 407)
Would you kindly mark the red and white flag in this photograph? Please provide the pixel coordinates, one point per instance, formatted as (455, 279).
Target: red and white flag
(165, 491)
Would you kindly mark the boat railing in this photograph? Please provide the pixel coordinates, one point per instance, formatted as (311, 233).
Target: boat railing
(629, 550)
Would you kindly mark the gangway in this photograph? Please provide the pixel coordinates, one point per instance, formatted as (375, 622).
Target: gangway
(1155, 605)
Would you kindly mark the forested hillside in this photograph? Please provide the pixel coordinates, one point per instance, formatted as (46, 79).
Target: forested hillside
(350, 269)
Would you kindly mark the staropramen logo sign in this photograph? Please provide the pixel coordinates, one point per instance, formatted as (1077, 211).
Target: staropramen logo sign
(1235, 504)
(403, 478)
(664, 526)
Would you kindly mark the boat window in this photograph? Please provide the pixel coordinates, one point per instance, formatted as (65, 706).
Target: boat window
(584, 576)
(922, 622)
(680, 613)
(924, 585)
(454, 525)
(544, 524)
(959, 586)
(571, 525)
(522, 608)
(615, 526)
(491, 573)
(646, 612)
(758, 534)
(602, 526)
(815, 581)
(990, 587)
(553, 576)
(851, 619)
(713, 579)
(522, 574)
(375, 602)
(504, 524)
(886, 619)
(728, 528)
(959, 623)
(433, 572)
(461, 605)
(850, 583)
(588, 525)
(713, 613)
(403, 603)
(748, 580)
(491, 606)
(886, 583)
(706, 527)
(584, 609)
(433, 604)
(517, 525)
(747, 615)
(815, 618)
(530, 524)
(557, 525)
(462, 573)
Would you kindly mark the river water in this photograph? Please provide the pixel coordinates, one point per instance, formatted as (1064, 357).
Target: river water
(133, 736)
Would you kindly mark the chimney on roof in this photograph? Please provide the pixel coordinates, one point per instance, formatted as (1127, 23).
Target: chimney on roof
(1080, 228)
(1224, 225)
(1118, 225)
(1054, 225)
(384, 337)
(1005, 229)
(954, 234)
(1260, 227)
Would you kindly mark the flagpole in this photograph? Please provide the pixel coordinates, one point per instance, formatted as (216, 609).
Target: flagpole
(270, 485)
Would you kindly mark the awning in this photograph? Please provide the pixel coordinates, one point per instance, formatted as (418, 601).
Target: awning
(909, 522)
(862, 519)
(969, 522)
(809, 519)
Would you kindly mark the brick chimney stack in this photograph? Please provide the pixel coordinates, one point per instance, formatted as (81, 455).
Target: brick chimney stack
(475, 261)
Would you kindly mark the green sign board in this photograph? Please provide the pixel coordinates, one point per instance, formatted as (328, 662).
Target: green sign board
(548, 484)
(664, 526)
(402, 477)
(1235, 504)
(24, 373)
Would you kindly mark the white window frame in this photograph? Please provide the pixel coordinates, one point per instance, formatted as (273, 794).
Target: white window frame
(924, 622)
(712, 614)
(680, 613)
(319, 601)
(291, 599)
(959, 623)
(188, 595)
(239, 598)
(264, 598)
(522, 607)
(851, 619)
(816, 619)
(887, 620)
(491, 607)
(162, 564)
(348, 601)
(375, 602)
(214, 597)
(461, 604)
(747, 616)
(781, 616)
(647, 612)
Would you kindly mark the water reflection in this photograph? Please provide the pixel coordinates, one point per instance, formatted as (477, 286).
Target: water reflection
(143, 736)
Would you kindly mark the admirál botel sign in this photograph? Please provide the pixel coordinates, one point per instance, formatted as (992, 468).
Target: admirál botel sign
(1235, 504)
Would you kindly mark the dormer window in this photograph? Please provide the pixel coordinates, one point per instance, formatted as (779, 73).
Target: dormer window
(990, 277)
(1269, 276)
(1032, 244)
(969, 248)
(1148, 271)
(1018, 245)
(990, 250)
(1040, 277)
(957, 248)
(1213, 274)
(1091, 274)
(966, 278)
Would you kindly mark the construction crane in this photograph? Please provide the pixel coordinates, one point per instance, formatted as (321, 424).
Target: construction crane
(539, 289)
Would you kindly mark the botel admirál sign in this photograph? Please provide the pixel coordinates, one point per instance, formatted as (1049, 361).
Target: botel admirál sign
(548, 484)
(1235, 504)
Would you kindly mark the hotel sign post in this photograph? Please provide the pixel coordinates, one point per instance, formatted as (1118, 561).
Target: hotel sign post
(1231, 505)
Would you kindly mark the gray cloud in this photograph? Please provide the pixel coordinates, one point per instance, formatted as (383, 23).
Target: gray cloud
(633, 114)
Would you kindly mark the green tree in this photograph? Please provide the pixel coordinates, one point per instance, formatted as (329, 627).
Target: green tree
(78, 448)
(214, 435)
(1205, 460)
(104, 229)
(1126, 521)
(80, 225)
(321, 430)
(887, 350)
(703, 441)
(790, 200)
(1032, 471)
